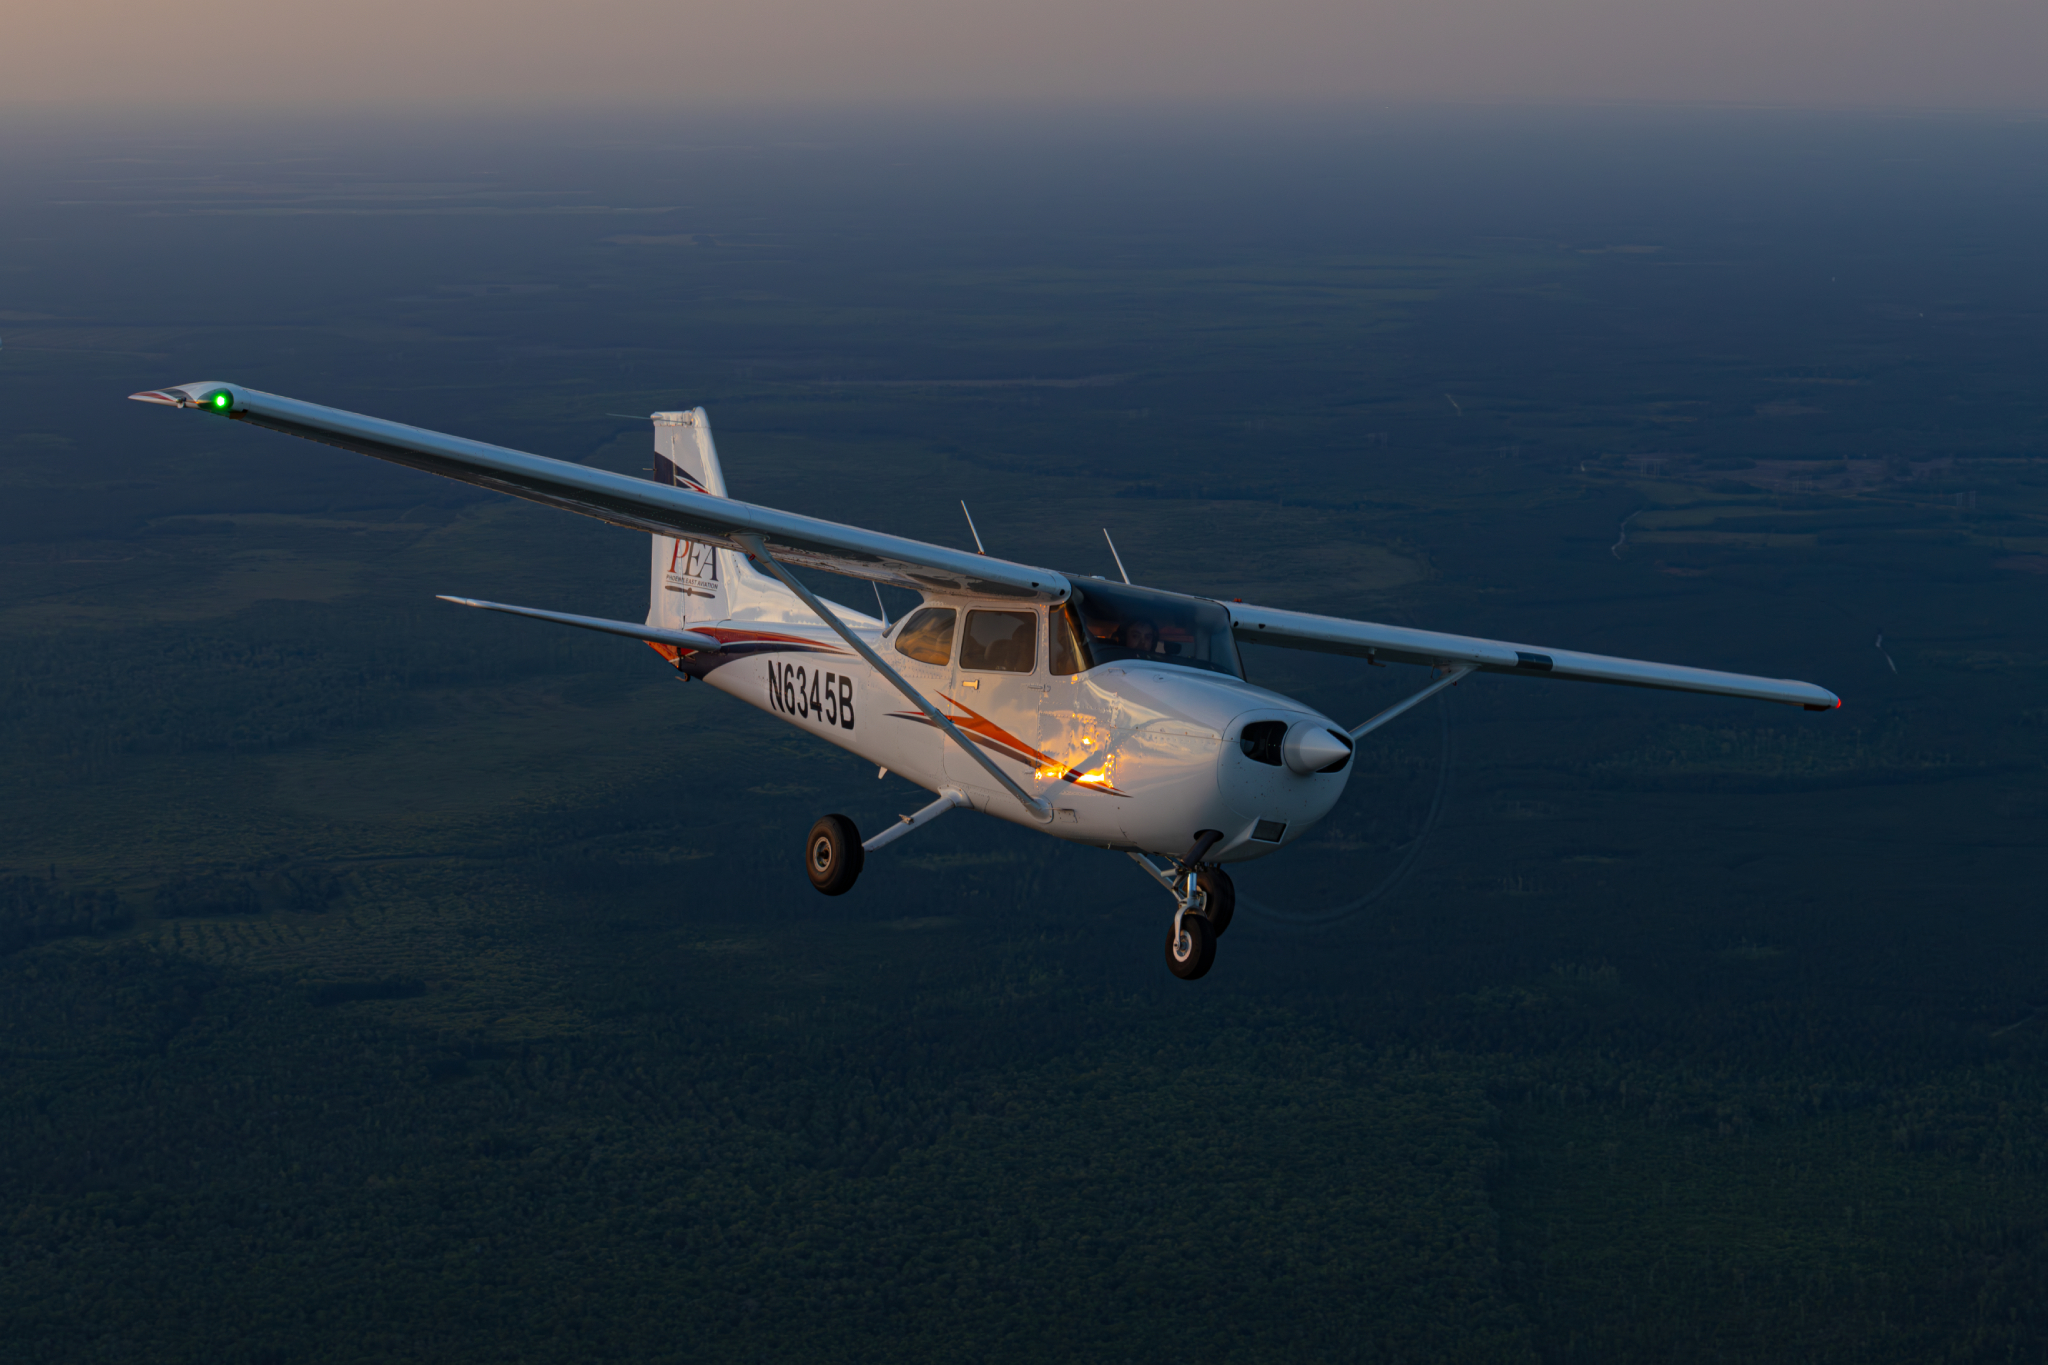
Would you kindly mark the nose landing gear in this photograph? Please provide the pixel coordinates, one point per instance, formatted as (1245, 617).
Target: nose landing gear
(1204, 901)
(1190, 946)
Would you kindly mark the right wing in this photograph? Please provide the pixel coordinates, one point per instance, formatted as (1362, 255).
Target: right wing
(1398, 644)
(638, 504)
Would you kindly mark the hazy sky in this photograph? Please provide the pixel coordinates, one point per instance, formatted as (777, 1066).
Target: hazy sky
(1852, 53)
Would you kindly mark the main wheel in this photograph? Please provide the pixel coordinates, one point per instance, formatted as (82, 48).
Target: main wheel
(833, 855)
(1191, 952)
(1222, 898)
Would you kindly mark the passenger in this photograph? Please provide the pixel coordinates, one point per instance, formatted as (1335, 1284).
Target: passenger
(1141, 637)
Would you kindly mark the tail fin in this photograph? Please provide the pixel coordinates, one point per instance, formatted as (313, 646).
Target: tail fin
(688, 580)
(693, 583)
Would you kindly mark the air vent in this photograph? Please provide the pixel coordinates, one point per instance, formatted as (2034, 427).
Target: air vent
(1261, 741)
(1269, 831)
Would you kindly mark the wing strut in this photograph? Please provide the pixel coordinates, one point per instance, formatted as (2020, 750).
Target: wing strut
(1040, 809)
(1449, 679)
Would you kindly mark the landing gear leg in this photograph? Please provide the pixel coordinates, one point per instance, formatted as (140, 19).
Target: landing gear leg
(833, 855)
(1191, 943)
(1203, 903)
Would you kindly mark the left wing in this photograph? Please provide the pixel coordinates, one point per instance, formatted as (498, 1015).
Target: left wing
(635, 503)
(1398, 644)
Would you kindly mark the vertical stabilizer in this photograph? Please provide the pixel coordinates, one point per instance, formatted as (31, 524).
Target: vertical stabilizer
(684, 454)
(688, 580)
(693, 583)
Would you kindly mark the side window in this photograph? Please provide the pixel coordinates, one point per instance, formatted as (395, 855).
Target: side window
(1069, 653)
(928, 635)
(1000, 641)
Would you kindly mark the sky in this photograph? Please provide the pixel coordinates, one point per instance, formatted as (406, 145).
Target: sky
(525, 54)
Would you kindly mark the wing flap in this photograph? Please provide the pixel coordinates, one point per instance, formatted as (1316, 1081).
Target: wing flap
(637, 504)
(1399, 644)
(1364, 639)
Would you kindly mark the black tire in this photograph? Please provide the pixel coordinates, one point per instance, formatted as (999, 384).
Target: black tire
(1222, 898)
(1191, 956)
(833, 855)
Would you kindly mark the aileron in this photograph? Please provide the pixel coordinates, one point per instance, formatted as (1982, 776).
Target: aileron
(1399, 644)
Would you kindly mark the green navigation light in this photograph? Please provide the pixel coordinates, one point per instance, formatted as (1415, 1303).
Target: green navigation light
(221, 401)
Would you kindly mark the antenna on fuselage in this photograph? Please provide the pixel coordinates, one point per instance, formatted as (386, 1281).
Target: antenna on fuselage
(880, 603)
(1117, 557)
(970, 528)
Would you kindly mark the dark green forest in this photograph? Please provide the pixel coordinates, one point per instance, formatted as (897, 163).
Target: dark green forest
(385, 982)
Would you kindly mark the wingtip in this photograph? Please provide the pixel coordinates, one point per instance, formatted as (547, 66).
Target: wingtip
(203, 394)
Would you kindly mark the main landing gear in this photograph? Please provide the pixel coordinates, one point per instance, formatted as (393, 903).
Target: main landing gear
(833, 855)
(1204, 901)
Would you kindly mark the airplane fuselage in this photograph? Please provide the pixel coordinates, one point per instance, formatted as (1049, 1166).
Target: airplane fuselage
(1131, 754)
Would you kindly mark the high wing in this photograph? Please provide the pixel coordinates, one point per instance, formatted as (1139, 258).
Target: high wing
(1398, 644)
(638, 504)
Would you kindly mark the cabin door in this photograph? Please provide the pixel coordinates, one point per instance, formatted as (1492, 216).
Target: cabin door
(999, 686)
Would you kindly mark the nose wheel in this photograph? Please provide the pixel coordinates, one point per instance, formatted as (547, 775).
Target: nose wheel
(833, 855)
(1190, 946)
(1205, 902)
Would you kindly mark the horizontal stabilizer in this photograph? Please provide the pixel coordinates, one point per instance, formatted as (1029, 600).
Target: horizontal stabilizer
(682, 639)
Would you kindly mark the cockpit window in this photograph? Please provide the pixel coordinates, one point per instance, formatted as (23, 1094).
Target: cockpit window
(1000, 642)
(1122, 622)
(1066, 638)
(928, 635)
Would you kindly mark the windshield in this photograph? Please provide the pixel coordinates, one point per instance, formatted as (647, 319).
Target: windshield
(1122, 622)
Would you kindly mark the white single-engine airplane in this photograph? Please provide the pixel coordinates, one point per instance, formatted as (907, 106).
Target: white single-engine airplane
(1098, 712)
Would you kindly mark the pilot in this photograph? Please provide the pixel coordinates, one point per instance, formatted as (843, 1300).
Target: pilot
(1141, 637)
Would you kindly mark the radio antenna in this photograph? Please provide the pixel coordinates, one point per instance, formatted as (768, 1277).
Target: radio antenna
(1117, 557)
(970, 528)
(880, 603)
